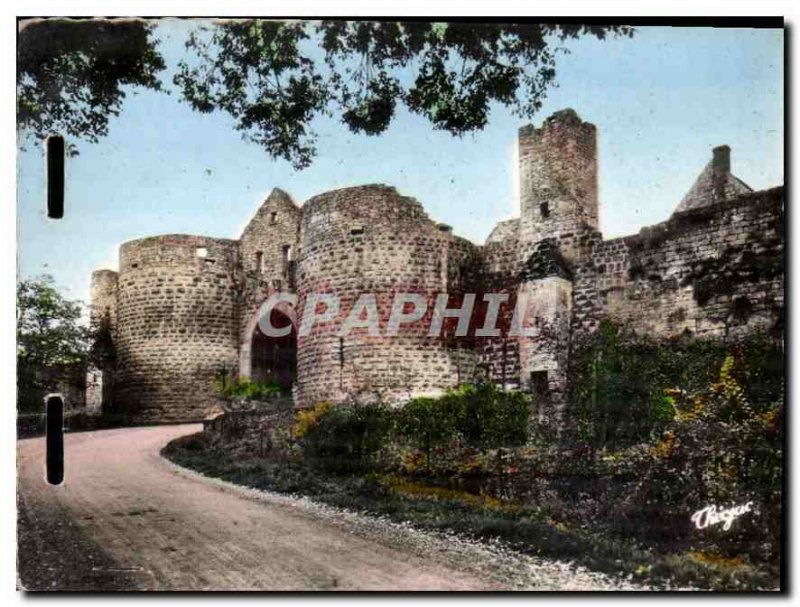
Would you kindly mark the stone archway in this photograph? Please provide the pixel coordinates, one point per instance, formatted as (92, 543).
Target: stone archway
(274, 359)
(269, 359)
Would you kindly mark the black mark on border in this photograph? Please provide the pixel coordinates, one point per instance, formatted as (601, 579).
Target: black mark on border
(55, 177)
(54, 457)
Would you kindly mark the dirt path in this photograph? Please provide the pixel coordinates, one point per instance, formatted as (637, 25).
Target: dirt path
(125, 519)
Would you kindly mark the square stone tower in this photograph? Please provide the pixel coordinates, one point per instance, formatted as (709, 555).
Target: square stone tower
(558, 195)
(558, 182)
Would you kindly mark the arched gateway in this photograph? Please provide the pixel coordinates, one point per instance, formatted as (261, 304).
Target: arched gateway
(268, 359)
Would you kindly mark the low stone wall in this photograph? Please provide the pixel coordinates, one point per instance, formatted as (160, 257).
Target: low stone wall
(259, 427)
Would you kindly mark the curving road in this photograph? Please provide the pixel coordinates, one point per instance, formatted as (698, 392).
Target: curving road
(125, 519)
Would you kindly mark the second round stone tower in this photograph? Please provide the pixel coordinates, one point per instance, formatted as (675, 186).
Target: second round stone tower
(371, 241)
(176, 325)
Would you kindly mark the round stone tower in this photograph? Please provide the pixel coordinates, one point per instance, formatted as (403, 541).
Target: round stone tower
(372, 240)
(176, 325)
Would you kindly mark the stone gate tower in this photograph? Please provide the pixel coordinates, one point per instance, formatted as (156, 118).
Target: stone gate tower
(559, 209)
(557, 182)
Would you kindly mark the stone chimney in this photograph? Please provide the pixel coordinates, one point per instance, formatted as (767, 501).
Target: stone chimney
(721, 165)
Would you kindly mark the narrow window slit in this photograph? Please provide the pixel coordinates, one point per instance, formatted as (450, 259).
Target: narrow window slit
(545, 210)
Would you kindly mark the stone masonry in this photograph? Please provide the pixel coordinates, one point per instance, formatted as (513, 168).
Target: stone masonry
(183, 310)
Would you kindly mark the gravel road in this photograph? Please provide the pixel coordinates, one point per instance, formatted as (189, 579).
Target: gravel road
(127, 519)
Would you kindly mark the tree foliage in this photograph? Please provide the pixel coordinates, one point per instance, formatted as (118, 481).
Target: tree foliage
(51, 339)
(71, 74)
(721, 446)
(275, 77)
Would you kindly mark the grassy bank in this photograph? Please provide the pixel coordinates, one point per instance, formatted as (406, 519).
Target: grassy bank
(528, 529)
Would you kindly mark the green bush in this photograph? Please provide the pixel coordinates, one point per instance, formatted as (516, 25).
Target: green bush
(347, 438)
(488, 417)
(762, 369)
(244, 388)
(427, 423)
(476, 416)
(710, 435)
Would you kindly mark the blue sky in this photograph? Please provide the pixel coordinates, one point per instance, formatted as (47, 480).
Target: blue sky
(660, 101)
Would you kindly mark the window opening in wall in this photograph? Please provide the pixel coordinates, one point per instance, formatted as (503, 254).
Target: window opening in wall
(356, 230)
(287, 257)
(273, 217)
(545, 210)
(539, 384)
(540, 390)
(259, 262)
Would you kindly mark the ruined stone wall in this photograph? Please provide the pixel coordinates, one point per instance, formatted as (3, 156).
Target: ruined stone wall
(499, 355)
(501, 252)
(102, 317)
(183, 307)
(177, 324)
(103, 293)
(372, 240)
(713, 272)
(255, 428)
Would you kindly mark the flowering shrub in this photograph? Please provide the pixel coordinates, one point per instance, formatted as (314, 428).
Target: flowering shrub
(720, 447)
(307, 419)
(616, 381)
(717, 448)
(724, 450)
